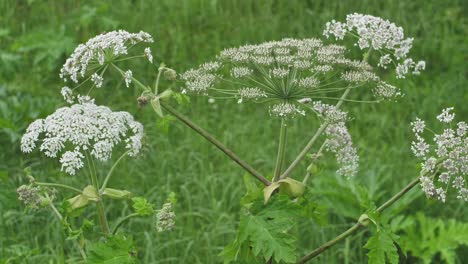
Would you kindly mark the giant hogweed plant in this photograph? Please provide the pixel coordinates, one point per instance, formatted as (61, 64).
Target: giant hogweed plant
(290, 78)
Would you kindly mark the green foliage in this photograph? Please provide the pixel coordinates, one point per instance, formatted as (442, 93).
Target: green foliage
(426, 238)
(114, 250)
(142, 206)
(266, 232)
(382, 248)
(190, 32)
(164, 122)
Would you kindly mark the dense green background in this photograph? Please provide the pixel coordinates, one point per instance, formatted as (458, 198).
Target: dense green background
(36, 37)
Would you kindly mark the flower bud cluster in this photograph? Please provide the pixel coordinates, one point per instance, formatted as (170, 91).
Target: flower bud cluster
(165, 218)
(445, 160)
(30, 196)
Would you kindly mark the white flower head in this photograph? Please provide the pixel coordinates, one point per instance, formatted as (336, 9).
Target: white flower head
(67, 94)
(283, 72)
(97, 80)
(148, 54)
(85, 127)
(98, 49)
(377, 34)
(446, 116)
(128, 78)
(444, 160)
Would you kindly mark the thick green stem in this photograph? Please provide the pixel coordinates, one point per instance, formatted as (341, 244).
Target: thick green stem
(47, 184)
(121, 221)
(312, 141)
(356, 226)
(99, 204)
(281, 148)
(217, 143)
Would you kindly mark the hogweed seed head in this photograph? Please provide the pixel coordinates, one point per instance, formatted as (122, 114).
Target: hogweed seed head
(445, 160)
(71, 132)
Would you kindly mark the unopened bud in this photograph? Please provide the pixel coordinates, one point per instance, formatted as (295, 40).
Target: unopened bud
(143, 100)
(170, 74)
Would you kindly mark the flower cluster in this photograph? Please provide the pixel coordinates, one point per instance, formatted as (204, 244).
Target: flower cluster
(100, 49)
(30, 196)
(280, 73)
(165, 218)
(81, 129)
(445, 162)
(378, 34)
(338, 140)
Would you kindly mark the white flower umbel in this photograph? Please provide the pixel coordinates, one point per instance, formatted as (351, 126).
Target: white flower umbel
(100, 50)
(338, 139)
(375, 33)
(445, 160)
(279, 73)
(73, 132)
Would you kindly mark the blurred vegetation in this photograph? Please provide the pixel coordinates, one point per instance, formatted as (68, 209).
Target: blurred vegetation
(37, 36)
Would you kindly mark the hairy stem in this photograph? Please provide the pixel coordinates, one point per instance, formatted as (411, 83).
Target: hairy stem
(47, 184)
(314, 138)
(356, 226)
(121, 221)
(281, 148)
(217, 143)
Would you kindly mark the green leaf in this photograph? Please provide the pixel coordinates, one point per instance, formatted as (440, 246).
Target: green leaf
(425, 237)
(164, 122)
(181, 99)
(142, 206)
(382, 248)
(115, 250)
(264, 233)
(254, 191)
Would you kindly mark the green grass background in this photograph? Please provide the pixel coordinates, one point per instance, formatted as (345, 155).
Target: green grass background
(37, 36)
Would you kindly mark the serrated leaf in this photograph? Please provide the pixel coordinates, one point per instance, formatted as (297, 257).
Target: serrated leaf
(142, 206)
(115, 250)
(265, 232)
(253, 190)
(381, 248)
(427, 237)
